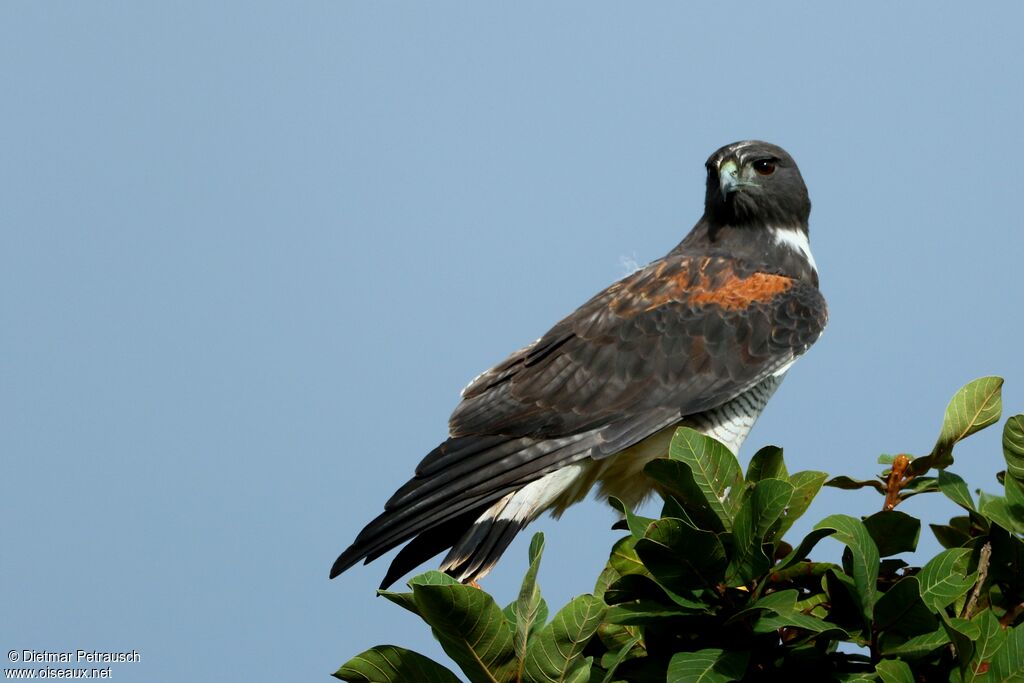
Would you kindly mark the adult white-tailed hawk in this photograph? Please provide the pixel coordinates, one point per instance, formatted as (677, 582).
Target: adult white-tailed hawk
(701, 337)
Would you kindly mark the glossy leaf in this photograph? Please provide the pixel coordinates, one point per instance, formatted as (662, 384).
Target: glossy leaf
(767, 463)
(680, 557)
(677, 479)
(918, 646)
(761, 509)
(392, 664)
(403, 600)
(999, 510)
(715, 470)
(894, 671)
(1015, 498)
(529, 609)
(799, 553)
(806, 485)
(406, 600)
(1008, 661)
(636, 524)
(611, 661)
(855, 536)
(470, 627)
(555, 653)
(624, 559)
(975, 406)
(955, 488)
(893, 532)
(849, 484)
(901, 609)
(944, 578)
(1013, 446)
(707, 666)
(780, 610)
(949, 536)
(990, 639)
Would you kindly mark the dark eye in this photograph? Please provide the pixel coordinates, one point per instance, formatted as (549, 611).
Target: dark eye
(764, 166)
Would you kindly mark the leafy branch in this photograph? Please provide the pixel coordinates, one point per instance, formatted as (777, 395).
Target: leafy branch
(711, 591)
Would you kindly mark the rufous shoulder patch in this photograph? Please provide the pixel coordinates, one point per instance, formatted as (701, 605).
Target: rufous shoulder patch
(735, 293)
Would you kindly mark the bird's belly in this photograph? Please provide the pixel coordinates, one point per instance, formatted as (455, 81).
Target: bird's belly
(623, 476)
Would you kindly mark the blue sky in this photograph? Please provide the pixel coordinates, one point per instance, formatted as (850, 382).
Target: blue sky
(252, 252)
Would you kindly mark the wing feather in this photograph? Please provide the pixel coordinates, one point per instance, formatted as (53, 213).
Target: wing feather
(682, 336)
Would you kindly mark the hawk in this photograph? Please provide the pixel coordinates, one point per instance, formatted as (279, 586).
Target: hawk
(701, 337)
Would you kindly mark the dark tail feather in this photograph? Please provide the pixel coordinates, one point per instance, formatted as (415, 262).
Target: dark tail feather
(431, 518)
(492, 538)
(458, 482)
(428, 544)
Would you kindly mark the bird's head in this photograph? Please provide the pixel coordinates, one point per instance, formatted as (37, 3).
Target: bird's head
(755, 183)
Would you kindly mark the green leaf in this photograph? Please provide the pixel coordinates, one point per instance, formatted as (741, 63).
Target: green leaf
(644, 612)
(634, 587)
(605, 579)
(986, 646)
(1008, 662)
(637, 587)
(854, 534)
(806, 485)
(894, 671)
(432, 578)
(944, 578)
(893, 532)
(955, 489)
(761, 509)
(1013, 446)
(999, 510)
(919, 485)
(780, 609)
(814, 625)
(707, 666)
(554, 654)
(715, 470)
(767, 463)
(778, 601)
(1007, 562)
(901, 609)
(636, 524)
(975, 406)
(529, 609)
(1015, 497)
(680, 557)
(406, 600)
(610, 662)
(963, 633)
(802, 571)
(845, 605)
(678, 482)
(392, 664)
(949, 536)
(849, 484)
(471, 629)
(799, 553)
(624, 559)
(403, 600)
(913, 648)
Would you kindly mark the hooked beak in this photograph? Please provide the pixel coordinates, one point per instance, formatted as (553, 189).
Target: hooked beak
(729, 178)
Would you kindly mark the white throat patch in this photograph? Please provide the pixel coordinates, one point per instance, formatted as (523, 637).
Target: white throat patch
(796, 239)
